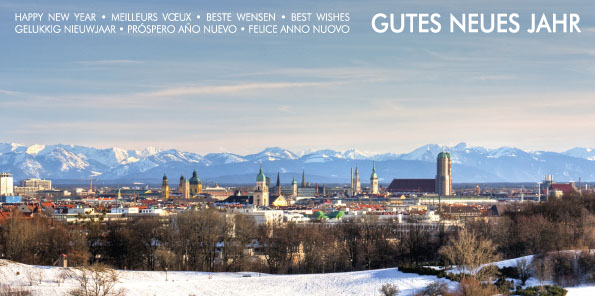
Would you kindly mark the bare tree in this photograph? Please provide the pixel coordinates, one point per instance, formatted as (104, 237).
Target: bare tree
(34, 276)
(524, 269)
(62, 276)
(543, 268)
(96, 280)
(467, 250)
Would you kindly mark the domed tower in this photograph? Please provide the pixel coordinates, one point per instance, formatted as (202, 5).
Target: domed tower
(443, 174)
(261, 191)
(184, 188)
(374, 179)
(165, 188)
(294, 188)
(195, 184)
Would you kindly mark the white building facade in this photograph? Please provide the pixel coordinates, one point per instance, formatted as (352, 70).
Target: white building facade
(6, 184)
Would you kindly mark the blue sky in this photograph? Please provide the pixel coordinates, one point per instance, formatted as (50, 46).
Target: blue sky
(373, 92)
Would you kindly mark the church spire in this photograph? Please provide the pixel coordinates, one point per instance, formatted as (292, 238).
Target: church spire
(303, 178)
(278, 184)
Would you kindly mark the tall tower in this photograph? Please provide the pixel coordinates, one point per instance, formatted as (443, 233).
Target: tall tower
(165, 188)
(374, 179)
(303, 178)
(261, 191)
(351, 179)
(357, 186)
(443, 174)
(184, 188)
(278, 185)
(294, 189)
(195, 184)
(6, 184)
(181, 186)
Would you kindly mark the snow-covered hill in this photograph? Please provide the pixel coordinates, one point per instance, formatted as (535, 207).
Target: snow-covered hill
(242, 283)
(470, 164)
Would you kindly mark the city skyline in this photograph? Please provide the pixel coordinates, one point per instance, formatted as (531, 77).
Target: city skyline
(240, 94)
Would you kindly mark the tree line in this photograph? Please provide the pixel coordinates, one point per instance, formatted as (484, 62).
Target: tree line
(213, 240)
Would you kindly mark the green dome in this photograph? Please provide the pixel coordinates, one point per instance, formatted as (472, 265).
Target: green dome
(260, 177)
(194, 180)
(164, 177)
(294, 182)
(443, 155)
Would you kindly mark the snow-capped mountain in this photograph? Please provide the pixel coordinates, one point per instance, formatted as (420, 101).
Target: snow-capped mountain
(586, 153)
(470, 164)
(271, 154)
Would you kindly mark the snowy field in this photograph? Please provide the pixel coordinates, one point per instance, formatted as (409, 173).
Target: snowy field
(243, 283)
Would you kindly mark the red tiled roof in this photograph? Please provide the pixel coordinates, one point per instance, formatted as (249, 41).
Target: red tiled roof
(565, 188)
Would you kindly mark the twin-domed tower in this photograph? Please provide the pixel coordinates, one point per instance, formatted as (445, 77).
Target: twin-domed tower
(184, 188)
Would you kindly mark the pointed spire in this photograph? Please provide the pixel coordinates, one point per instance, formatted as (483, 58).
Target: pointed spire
(374, 175)
(278, 180)
(303, 178)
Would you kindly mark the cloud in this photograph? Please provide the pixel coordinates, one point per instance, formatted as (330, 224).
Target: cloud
(285, 109)
(109, 62)
(10, 92)
(228, 89)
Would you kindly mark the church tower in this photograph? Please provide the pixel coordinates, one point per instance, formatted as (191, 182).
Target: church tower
(195, 184)
(278, 185)
(164, 188)
(357, 186)
(374, 179)
(294, 188)
(184, 188)
(303, 178)
(444, 174)
(261, 191)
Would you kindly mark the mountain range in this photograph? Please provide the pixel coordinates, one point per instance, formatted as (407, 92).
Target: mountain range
(77, 164)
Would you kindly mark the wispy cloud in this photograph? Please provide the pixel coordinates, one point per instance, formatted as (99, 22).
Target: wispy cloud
(239, 88)
(285, 109)
(109, 62)
(10, 92)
